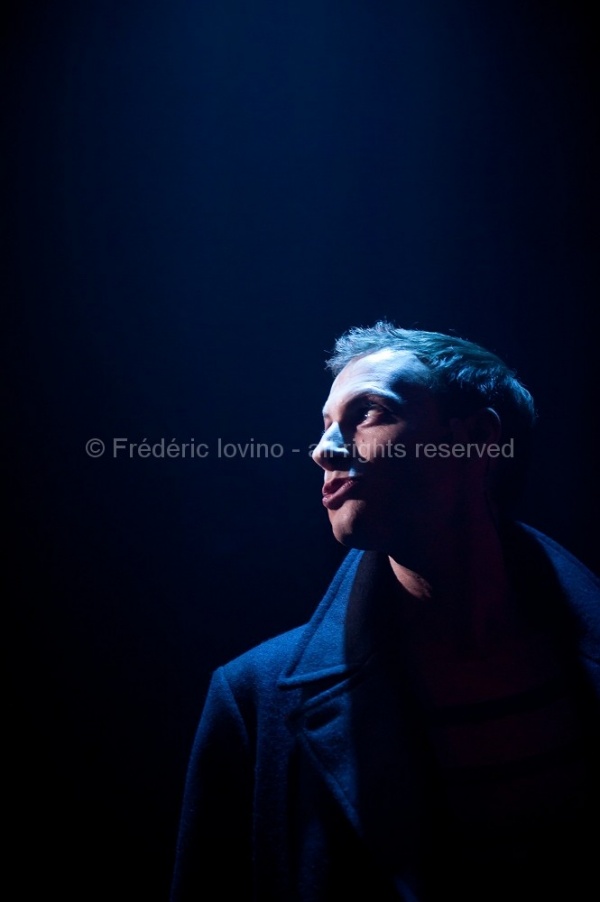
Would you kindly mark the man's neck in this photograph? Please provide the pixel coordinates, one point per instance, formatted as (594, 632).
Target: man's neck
(459, 590)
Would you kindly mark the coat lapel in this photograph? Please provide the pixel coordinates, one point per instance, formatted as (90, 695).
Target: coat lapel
(356, 721)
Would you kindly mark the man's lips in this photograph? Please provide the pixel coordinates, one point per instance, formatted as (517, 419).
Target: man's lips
(335, 491)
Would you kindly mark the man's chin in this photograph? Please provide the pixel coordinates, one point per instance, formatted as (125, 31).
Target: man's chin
(350, 532)
(353, 527)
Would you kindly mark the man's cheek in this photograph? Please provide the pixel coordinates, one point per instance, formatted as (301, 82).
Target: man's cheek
(361, 452)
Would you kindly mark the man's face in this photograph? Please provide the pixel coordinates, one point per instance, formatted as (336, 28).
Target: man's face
(380, 491)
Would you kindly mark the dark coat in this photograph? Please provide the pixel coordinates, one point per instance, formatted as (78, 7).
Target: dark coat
(310, 777)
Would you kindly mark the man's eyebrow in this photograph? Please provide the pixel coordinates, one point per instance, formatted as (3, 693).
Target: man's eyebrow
(389, 395)
(381, 393)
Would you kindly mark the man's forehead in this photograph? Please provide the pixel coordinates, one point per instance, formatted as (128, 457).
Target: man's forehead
(386, 371)
(387, 366)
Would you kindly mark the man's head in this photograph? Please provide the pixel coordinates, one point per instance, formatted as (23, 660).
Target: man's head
(397, 391)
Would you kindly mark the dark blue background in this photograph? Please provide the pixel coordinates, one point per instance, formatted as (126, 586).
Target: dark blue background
(199, 197)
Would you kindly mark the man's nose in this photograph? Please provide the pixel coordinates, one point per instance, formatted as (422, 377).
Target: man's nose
(332, 450)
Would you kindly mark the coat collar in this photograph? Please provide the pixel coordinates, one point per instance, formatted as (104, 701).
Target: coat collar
(340, 636)
(343, 633)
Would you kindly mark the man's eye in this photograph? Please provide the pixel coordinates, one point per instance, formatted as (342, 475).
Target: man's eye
(371, 409)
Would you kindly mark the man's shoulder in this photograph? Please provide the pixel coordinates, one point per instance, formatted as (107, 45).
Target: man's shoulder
(266, 661)
(557, 584)
(572, 573)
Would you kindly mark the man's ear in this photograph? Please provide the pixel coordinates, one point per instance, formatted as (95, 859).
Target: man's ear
(483, 427)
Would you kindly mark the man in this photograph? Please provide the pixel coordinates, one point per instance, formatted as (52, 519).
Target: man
(432, 732)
